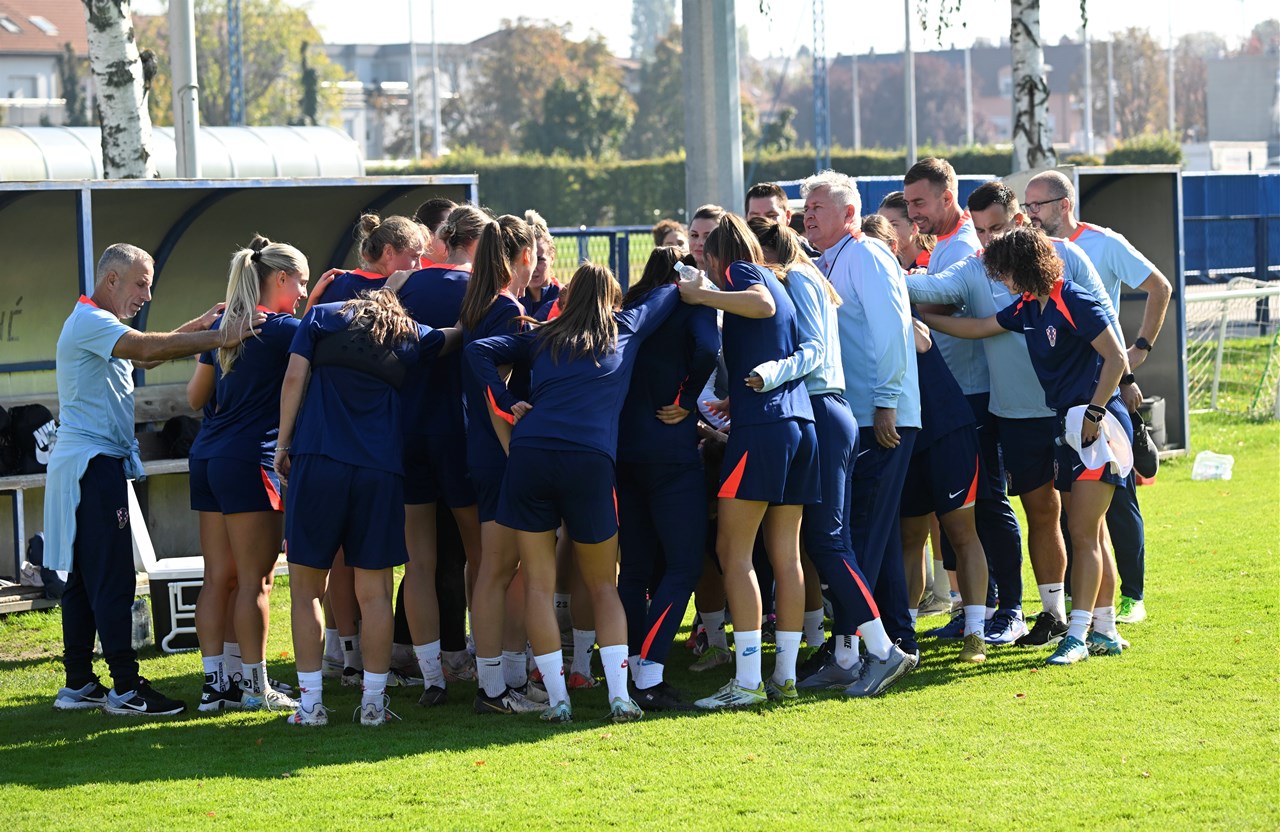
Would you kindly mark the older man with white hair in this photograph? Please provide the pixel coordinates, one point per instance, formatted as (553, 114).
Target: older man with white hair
(86, 505)
(877, 349)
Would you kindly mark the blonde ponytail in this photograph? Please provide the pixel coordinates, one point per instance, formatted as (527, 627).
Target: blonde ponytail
(250, 268)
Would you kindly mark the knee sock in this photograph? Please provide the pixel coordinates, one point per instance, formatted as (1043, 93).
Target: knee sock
(489, 673)
(1104, 621)
(647, 674)
(714, 622)
(787, 648)
(583, 641)
(614, 660)
(847, 648)
(1079, 626)
(814, 633)
(974, 618)
(332, 644)
(747, 645)
(215, 675)
(309, 689)
(231, 660)
(878, 643)
(1052, 599)
(254, 679)
(552, 667)
(428, 656)
(351, 652)
(375, 685)
(515, 672)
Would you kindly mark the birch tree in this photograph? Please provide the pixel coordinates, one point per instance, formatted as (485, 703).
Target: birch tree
(121, 90)
(1032, 134)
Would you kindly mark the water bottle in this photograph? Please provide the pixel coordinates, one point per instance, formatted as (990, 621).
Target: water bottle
(1211, 466)
(688, 272)
(141, 624)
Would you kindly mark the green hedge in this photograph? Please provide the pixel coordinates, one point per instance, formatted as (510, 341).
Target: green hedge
(1149, 149)
(588, 192)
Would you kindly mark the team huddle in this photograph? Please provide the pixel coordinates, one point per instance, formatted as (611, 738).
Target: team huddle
(768, 422)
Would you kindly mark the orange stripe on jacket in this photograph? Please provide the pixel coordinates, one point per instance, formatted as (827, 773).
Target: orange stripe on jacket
(502, 414)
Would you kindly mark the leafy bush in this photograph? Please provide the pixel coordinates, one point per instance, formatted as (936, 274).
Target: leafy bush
(1082, 160)
(1148, 149)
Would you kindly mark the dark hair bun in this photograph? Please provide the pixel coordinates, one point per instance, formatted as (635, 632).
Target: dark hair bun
(367, 225)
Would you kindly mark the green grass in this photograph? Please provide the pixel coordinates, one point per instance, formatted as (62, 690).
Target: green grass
(1179, 733)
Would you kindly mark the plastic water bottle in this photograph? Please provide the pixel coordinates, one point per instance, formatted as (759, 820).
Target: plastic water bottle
(688, 272)
(1211, 466)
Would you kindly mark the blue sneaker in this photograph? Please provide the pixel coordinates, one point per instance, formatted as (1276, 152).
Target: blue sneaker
(953, 629)
(1100, 645)
(89, 697)
(1070, 650)
(1005, 627)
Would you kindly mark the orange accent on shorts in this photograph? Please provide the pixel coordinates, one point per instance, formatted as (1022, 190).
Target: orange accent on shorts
(1091, 474)
(272, 494)
(972, 496)
(504, 415)
(648, 640)
(730, 487)
(871, 602)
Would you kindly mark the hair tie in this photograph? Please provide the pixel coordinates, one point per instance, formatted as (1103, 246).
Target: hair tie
(256, 256)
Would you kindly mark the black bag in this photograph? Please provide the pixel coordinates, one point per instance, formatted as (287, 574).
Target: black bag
(31, 435)
(177, 436)
(53, 585)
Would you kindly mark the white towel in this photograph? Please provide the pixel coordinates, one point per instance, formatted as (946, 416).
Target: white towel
(1112, 446)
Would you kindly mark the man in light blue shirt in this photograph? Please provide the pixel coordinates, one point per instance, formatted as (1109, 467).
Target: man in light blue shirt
(877, 350)
(1051, 202)
(86, 507)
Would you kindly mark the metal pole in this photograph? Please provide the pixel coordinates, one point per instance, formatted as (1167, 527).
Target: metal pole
(857, 108)
(1111, 95)
(437, 143)
(909, 70)
(413, 88)
(1088, 92)
(1173, 113)
(235, 57)
(1217, 358)
(968, 97)
(186, 89)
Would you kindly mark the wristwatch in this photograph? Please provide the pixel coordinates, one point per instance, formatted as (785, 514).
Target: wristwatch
(1143, 344)
(1127, 378)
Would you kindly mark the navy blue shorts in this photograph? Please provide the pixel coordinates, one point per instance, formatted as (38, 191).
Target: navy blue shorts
(1028, 451)
(488, 485)
(332, 505)
(944, 476)
(774, 463)
(435, 470)
(542, 487)
(233, 486)
(1067, 467)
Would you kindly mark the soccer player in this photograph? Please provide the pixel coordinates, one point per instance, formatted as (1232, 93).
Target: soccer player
(1120, 266)
(876, 348)
(770, 469)
(914, 249)
(662, 517)
(1079, 361)
(431, 215)
(341, 452)
(670, 233)
(233, 485)
(818, 363)
(86, 503)
(561, 462)
(543, 288)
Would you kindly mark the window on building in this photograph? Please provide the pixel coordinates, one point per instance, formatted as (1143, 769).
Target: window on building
(43, 24)
(9, 26)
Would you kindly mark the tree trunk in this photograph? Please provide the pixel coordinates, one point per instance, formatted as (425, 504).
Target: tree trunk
(1032, 135)
(121, 91)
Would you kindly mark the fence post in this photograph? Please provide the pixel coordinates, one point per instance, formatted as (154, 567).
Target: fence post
(1217, 360)
(623, 270)
(583, 253)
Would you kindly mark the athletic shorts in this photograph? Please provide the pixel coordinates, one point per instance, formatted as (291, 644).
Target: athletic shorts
(488, 485)
(774, 463)
(332, 505)
(1026, 445)
(1067, 467)
(233, 486)
(944, 476)
(542, 487)
(435, 470)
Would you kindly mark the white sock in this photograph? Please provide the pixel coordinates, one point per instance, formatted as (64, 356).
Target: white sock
(1078, 627)
(847, 650)
(1104, 621)
(254, 679)
(489, 674)
(552, 667)
(974, 618)
(633, 662)
(332, 645)
(747, 645)
(402, 654)
(375, 685)
(309, 686)
(351, 652)
(1052, 599)
(915, 614)
(787, 649)
(514, 670)
(714, 622)
(647, 674)
(583, 641)
(988, 613)
(955, 599)
(941, 585)
(455, 658)
(215, 675)
(561, 603)
(814, 632)
(231, 660)
(878, 643)
(428, 656)
(614, 660)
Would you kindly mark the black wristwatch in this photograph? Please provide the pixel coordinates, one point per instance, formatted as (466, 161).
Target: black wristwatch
(1142, 344)
(1128, 378)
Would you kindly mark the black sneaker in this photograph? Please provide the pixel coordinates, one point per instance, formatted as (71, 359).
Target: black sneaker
(1146, 458)
(1047, 630)
(212, 699)
(660, 697)
(817, 660)
(432, 695)
(143, 701)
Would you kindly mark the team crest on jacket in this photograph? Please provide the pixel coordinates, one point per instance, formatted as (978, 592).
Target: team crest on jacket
(122, 517)
(1052, 332)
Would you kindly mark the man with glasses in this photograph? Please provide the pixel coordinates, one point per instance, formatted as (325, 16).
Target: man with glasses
(1051, 201)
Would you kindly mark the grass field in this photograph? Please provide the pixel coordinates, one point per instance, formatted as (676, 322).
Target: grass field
(1182, 732)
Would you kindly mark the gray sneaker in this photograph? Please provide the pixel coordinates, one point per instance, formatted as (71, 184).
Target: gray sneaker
(831, 676)
(878, 674)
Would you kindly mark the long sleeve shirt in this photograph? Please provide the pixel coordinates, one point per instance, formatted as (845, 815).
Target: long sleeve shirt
(965, 358)
(817, 360)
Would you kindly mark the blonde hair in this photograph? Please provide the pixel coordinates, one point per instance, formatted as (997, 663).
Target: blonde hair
(251, 267)
(541, 232)
(464, 225)
(374, 234)
(380, 313)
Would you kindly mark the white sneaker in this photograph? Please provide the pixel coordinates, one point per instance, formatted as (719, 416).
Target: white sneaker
(734, 695)
(270, 700)
(317, 716)
(1132, 611)
(375, 712)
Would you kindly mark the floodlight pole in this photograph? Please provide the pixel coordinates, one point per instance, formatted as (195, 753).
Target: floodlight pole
(186, 88)
(413, 88)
